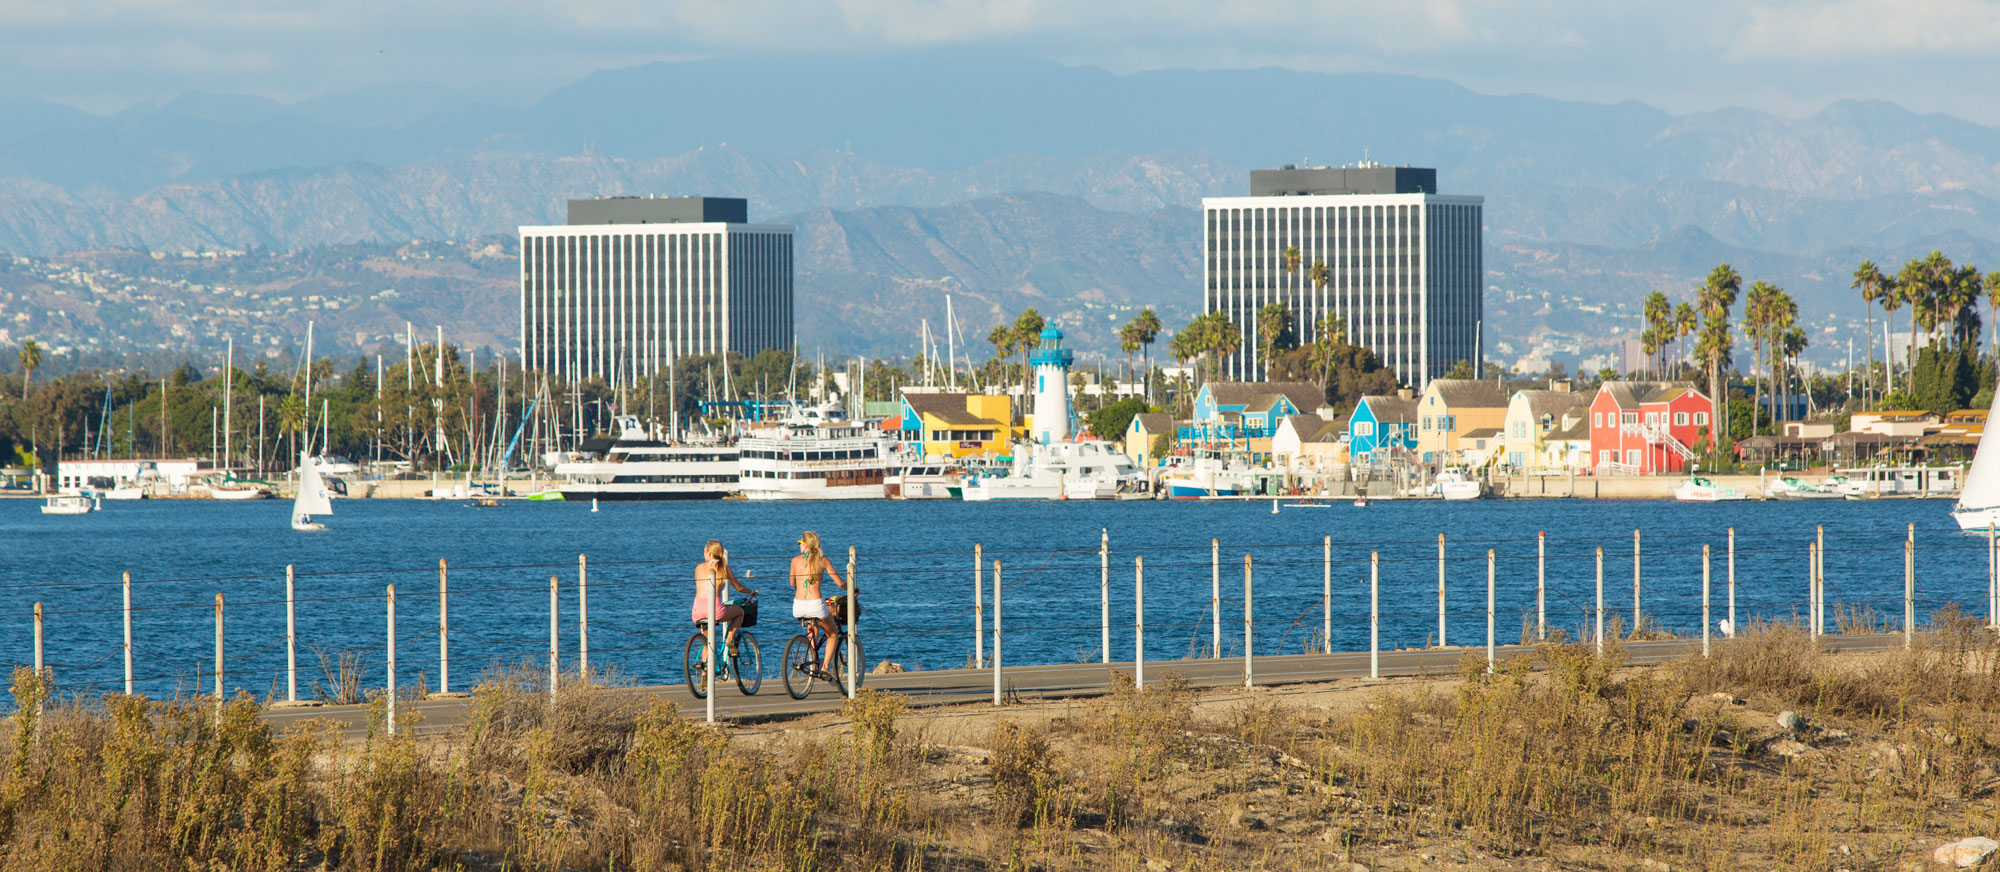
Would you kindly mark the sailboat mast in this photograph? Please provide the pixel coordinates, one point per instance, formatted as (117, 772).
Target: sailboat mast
(228, 400)
(307, 424)
(951, 342)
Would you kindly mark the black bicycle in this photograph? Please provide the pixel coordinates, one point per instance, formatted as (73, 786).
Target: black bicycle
(745, 665)
(802, 659)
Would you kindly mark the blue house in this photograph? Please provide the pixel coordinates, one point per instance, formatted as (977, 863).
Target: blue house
(1235, 411)
(1382, 422)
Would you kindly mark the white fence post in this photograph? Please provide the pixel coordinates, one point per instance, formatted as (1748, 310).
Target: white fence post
(1992, 581)
(1637, 614)
(1541, 585)
(1104, 589)
(1819, 576)
(391, 685)
(218, 650)
(1326, 593)
(1139, 622)
(555, 610)
(1704, 600)
(978, 606)
(1441, 642)
(291, 640)
(583, 615)
(1732, 583)
(853, 602)
(1374, 614)
(1812, 591)
(996, 632)
(1600, 599)
(38, 637)
(1249, 629)
(1910, 589)
(1489, 612)
(444, 632)
(128, 630)
(1215, 595)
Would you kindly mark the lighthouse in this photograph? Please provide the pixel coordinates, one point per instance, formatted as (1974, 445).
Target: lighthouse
(1051, 363)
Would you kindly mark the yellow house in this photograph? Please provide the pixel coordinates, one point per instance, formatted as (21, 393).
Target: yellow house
(1448, 413)
(1140, 434)
(956, 424)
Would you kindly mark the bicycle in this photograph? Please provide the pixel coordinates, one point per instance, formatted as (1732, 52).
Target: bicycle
(802, 659)
(748, 674)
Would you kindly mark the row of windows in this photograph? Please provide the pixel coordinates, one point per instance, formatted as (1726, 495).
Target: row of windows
(1445, 423)
(667, 457)
(1681, 419)
(959, 436)
(834, 476)
(827, 454)
(674, 479)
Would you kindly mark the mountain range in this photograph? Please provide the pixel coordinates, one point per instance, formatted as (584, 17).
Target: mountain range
(1015, 181)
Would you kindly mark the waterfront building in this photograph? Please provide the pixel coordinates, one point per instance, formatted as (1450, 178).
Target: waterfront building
(104, 474)
(1244, 415)
(1646, 428)
(1448, 413)
(1298, 438)
(1382, 423)
(1404, 264)
(1145, 429)
(1533, 417)
(631, 283)
(948, 424)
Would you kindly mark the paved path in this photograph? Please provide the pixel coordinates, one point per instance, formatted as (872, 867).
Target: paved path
(958, 686)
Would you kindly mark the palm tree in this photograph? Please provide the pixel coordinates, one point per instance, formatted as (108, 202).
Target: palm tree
(1223, 338)
(1961, 306)
(1274, 332)
(1657, 313)
(1684, 324)
(1292, 259)
(1868, 279)
(1128, 342)
(1714, 298)
(1758, 311)
(31, 357)
(1780, 315)
(1893, 297)
(1002, 338)
(1993, 308)
(1318, 274)
(1792, 343)
(1148, 324)
(1027, 337)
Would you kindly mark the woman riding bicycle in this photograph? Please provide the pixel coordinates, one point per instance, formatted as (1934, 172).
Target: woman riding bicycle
(807, 602)
(711, 601)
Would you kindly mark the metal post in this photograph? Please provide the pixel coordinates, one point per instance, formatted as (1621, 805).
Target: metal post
(1910, 590)
(1139, 622)
(1992, 582)
(128, 632)
(1374, 615)
(583, 614)
(852, 597)
(38, 638)
(1441, 641)
(978, 607)
(1819, 577)
(1215, 595)
(1249, 632)
(1326, 592)
(1812, 591)
(1600, 599)
(1732, 583)
(1636, 613)
(392, 660)
(1541, 585)
(1104, 589)
(996, 632)
(218, 648)
(444, 632)
(1489, 611)
(291, 639)
(554, 611)
(1704, 600)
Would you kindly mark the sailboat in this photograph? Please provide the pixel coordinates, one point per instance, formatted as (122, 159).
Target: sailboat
(1979, 500)
(312, 499)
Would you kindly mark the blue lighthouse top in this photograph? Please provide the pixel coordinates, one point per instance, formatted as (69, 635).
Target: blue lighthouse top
(1052, 350)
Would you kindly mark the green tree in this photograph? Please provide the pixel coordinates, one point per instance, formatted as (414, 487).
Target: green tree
(31, 357)
(1292, 259)
(1274, 332)
(1111, 421)
(1146, 326)
(1658, 315)
(1943, 380)
(1027, 337)
(1874, 286)
(1684, 323)
(1714, 298)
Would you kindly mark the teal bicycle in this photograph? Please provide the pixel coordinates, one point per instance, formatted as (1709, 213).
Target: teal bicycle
(744, 665)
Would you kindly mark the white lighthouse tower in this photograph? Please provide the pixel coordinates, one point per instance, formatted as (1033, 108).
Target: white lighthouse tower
(1051, 362)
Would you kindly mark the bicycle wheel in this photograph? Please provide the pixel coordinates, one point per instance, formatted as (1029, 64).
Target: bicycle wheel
(749, 667)
(694, 667)
(840, 668)
(798, 666)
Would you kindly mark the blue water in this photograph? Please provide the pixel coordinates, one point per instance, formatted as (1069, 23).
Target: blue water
(915, 568)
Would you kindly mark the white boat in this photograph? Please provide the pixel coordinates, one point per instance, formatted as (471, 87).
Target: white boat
(637, 466)
(1978, 505)
(312, 497)
(69, 504)
(1090, 470)
(1701, 490)
(1793, 488)
(237, 491)
(1454, 484)
(925, 480)
(815, 454)
(123, 492)
(1206, 477)
(1901, 482)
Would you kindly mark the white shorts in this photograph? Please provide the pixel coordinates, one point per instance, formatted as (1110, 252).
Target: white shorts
(809, 608)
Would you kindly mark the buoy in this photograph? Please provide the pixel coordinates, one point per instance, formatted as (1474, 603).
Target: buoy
(1274, 506)
(593, 504)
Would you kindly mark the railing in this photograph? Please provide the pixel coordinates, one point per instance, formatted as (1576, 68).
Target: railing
(1654, 434)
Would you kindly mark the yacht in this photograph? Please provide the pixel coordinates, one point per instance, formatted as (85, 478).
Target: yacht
(637, 466)
(1092, 470)
(1453, 483)
(815, 454)
(1794, 488)
(933, 479)
(1701, 490)
(70, 504)
(1208, 476)
(1978, 505)
(1906, 482)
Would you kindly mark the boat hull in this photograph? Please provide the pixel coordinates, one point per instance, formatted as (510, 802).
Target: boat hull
(837, 492)
(223, 493)
(611, 495)
(1178, 491)
(1977, 520)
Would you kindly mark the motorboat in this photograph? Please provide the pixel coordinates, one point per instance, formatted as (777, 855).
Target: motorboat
(924, 480)
(1978, 505)
(637, 466)
(123, 492)
(311, 499)
(70, 504)
(235, 490)
(1207, 476)
(1901, 482)
(1701, 490)
(815, 454)
(1792, 488)
(1081, 470)
(1454, 484)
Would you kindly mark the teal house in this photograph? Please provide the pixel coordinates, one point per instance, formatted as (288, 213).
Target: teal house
(1383, 422)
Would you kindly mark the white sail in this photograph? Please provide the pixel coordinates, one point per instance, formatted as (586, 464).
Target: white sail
(312, 498)
(1982, 483)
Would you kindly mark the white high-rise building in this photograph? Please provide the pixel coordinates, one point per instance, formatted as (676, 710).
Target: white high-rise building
(1404, 265)
(631, 283)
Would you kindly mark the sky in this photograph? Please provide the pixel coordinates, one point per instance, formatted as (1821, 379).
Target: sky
(1789, 58)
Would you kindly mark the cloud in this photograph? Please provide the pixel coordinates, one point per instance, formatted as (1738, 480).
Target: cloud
(1848, 28)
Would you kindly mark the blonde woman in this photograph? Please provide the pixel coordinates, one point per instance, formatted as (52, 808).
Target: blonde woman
(710, 600)
(808, 602)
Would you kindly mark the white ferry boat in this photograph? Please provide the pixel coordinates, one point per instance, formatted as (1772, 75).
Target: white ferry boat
(637, 466)
(815, 454)
(1092, 470)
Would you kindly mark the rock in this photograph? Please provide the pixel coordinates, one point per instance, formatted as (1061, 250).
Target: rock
(1965, 853)
(1244, 820)
(1651, 865)
(1789, 720)
(1356, 867)
(1834, 735)
(1158, 865)
(1725, 698)
(886, 667)
(1789, 749)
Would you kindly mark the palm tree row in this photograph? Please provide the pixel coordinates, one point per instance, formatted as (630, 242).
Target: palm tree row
(1666, 324)
(1022, 336)
(1943, 299)
(1139, 335)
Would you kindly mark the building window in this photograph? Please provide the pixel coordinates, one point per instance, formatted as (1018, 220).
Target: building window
(1597, 419)
(1364, 428)
(1631, 457)
(1701, 419)
(1680, 419)
(1427, 422)
(1630, 417)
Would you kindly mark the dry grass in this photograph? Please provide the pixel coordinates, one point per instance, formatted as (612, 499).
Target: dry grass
(1585, 763)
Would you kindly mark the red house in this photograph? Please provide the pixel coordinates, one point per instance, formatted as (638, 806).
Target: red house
(1643, 428)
